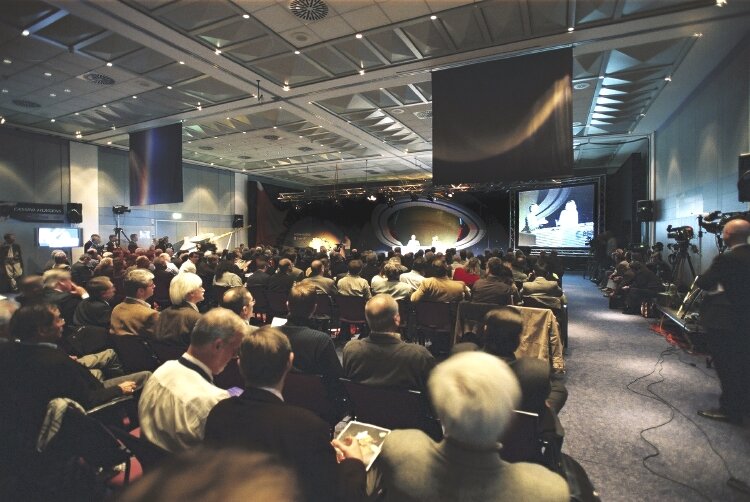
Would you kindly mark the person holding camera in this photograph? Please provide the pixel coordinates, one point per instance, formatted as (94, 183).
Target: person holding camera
(725, 314)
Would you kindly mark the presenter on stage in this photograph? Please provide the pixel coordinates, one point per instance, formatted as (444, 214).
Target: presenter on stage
(413, 245)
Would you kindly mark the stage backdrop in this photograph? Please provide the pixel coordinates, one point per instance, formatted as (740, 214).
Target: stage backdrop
(473, 221)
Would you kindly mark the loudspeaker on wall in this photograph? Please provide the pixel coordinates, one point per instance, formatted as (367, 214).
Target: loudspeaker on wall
(74, 212)
(743, 183)
(238, 221)
(644, 210)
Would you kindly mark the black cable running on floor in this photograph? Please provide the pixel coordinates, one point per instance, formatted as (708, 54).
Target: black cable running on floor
(732, 482)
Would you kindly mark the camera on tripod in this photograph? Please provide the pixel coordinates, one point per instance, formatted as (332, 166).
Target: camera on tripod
(680, 234)
(714, 222)
(120, 209)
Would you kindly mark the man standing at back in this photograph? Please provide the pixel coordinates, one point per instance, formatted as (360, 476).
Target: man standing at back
(383, 359)
(180, 394)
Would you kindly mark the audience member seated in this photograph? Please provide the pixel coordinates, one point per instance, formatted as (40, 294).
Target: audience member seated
(162, 279)
(177, 399)
(241, 302)
(545, 289)
(191, 263)
(383, 359)
(284, 277)
(31, 289)
(261, 275)
(34, 371)
(7, 309)
(176, 322)
(134, 316)
(229, 475)
(497, 286)
(61, 291)
(645, 285)
(95, 310)
(415, 276)
(224, 276)
(80, 271)
(371, 268)
(314, 351)
(352, 284)
(439, 287)
(259, 420)
(518, 266)
(318, 279)
(474, 396)
(392, 285)
(469, 273)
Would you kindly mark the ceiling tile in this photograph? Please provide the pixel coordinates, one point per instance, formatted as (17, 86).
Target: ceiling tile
(366, 18)
(278, 18)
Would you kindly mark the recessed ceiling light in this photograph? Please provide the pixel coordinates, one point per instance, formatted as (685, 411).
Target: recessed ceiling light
(77, 113)
(244, 132)
(217, 51)
(169, 87)
(7, 61)
(109, 64)
(581, 85)
(104, 106)
(79, 135)
(212, 163)
(66, 90)
(300, 136)
(199, 108)
(5, 91)
(274, 127)
(47, 74)
(571, 29)
(245, 16)
(296, 52)
(182, 62)
(361, 72)
(52, 120)
(135, 97)
(577, 124)
(641, 114)
(109, 142)
(601, 77)
(697, 34)
(286, 88)
(668, 78)
(358, 35)
(721, 3)
(52, 95)
(433, 17)
(25, 33)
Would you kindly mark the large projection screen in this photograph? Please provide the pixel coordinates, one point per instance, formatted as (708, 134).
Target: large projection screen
(507, 120)
(561, 217)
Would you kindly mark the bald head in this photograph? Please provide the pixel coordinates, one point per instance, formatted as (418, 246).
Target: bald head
(381, 313)
(736, 232)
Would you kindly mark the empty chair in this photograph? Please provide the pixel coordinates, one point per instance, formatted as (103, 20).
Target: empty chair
(352, 312)
(391, 408)
(324, 312)
(310, 391)
(135, 353)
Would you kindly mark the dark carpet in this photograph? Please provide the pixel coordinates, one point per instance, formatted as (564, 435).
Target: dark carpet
(610, 429)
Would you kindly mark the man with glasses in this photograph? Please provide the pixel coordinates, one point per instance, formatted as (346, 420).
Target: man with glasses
(134, 316)
(178, 397)
(241, 302)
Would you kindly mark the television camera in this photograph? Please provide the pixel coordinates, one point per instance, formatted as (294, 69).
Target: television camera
(715, 221)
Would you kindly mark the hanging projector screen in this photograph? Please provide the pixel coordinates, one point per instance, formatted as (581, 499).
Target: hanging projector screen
(155, 162)
(506, 120)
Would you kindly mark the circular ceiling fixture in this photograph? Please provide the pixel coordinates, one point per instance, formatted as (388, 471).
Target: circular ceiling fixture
(309, 10)
(98, 78)
(305, 149)
(271, 137)
(244, 157)
(208, 148)
(581, 85)
(397, 111)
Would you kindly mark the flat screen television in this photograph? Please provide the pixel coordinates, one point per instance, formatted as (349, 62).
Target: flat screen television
(556, 217)
(59, 237)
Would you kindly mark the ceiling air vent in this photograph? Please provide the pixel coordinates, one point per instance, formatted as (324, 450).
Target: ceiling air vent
(305, 149)
(271, 137)
(309, 10)
(244, 157)
(427, 114)
(207, 148)
(98, 78)
(23, 103)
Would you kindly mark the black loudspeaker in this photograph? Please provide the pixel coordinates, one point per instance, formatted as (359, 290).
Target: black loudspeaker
(74, 212)
(644, 210)
(238, 221)
(743, 183)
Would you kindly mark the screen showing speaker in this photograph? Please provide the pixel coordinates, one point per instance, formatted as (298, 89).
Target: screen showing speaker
(59, 237)
(560, 217)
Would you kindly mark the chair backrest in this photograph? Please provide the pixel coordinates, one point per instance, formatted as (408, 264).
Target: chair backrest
(323, 305)
(434, 315)
(309, 391)
(277, 303)
(259, 295)
(351, 308)
(135, 353)
(217, 293)
(231, 376)
(389, 407)
(167, 350)
(522, 441)
(88, 339)
(148, 454)
(543, 302)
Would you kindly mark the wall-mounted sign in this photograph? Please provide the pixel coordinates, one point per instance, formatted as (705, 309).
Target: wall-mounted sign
(33, 212)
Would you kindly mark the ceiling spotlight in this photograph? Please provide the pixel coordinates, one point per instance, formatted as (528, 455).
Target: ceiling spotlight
(135, 97)
(52, 95)
(66, 90)
(245, 16)
(358, 35)
(7, 61)
(668, 78)
(296, 52)
(217, 51)
(5, 91)
(25, 33)
(433, 17)
(571, 29)
(79, 135)
(697, 34)
(721, 3)
(414, 197)
(390, 201)
(104, 106)
(109, 142)
(450, 195)
(199, 108)
(47, 74)
(286, 88)
(2, 120)
(601, 77)
(361, 72)
(370, 197)
(182, 62)
(52, 120)
(109, 64)
(169, 87)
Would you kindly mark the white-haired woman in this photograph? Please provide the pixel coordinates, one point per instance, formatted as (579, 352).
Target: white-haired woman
(177, 321)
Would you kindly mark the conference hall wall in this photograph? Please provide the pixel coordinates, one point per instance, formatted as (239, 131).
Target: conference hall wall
(475, 221)
(696, 151)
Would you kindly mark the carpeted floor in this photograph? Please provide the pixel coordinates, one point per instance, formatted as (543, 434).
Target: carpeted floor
(604, 420)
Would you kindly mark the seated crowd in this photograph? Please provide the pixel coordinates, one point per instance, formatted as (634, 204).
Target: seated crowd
(201, 306)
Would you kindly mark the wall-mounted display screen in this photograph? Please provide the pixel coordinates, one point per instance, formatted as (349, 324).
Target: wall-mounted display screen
(59, 237)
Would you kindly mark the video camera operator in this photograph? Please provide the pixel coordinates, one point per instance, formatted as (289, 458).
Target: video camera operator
(725, 314)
